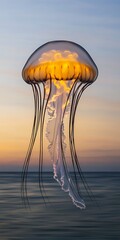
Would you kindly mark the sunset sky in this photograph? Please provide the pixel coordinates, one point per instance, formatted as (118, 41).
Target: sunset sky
(24, 26)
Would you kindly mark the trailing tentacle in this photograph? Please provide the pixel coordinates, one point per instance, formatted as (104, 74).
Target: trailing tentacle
(31, 144)
(76, 97)
(75, 195)
(42, 119)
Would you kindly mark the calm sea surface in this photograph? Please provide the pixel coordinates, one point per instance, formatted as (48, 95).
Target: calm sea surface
(60, 219)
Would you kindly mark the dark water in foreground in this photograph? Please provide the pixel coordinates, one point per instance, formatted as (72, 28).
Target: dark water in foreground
(60, 219)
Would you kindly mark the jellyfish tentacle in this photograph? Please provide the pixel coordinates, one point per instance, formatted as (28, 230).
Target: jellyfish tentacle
(41, 187)
(75, 92)
(72, 90)
(72, 117)
(30, 147)
(23, 186)
(67, 181)
(42, 100)
(75, 195)
(72, 105)
(72, 142)
(89, 192)
(68, 99)
(42, 119)
(32, 140)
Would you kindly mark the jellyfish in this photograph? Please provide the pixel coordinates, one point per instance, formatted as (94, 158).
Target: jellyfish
(58, 72)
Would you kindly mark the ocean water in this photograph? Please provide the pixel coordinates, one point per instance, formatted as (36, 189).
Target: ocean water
(60, 219)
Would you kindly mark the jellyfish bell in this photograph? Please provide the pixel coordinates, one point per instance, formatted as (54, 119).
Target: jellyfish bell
(60, 60)
(59, 72)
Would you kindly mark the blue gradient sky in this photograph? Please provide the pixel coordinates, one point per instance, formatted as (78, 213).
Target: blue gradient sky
(95, 25)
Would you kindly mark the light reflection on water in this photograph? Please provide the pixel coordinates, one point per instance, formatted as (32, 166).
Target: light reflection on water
(60, 219)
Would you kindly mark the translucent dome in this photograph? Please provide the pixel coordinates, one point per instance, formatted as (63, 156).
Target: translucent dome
(60, 60)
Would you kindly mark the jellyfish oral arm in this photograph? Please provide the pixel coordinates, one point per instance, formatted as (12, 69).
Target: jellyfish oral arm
(54, 136)
(56, 146)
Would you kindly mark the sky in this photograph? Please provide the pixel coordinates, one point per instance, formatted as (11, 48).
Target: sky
(95, 25)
